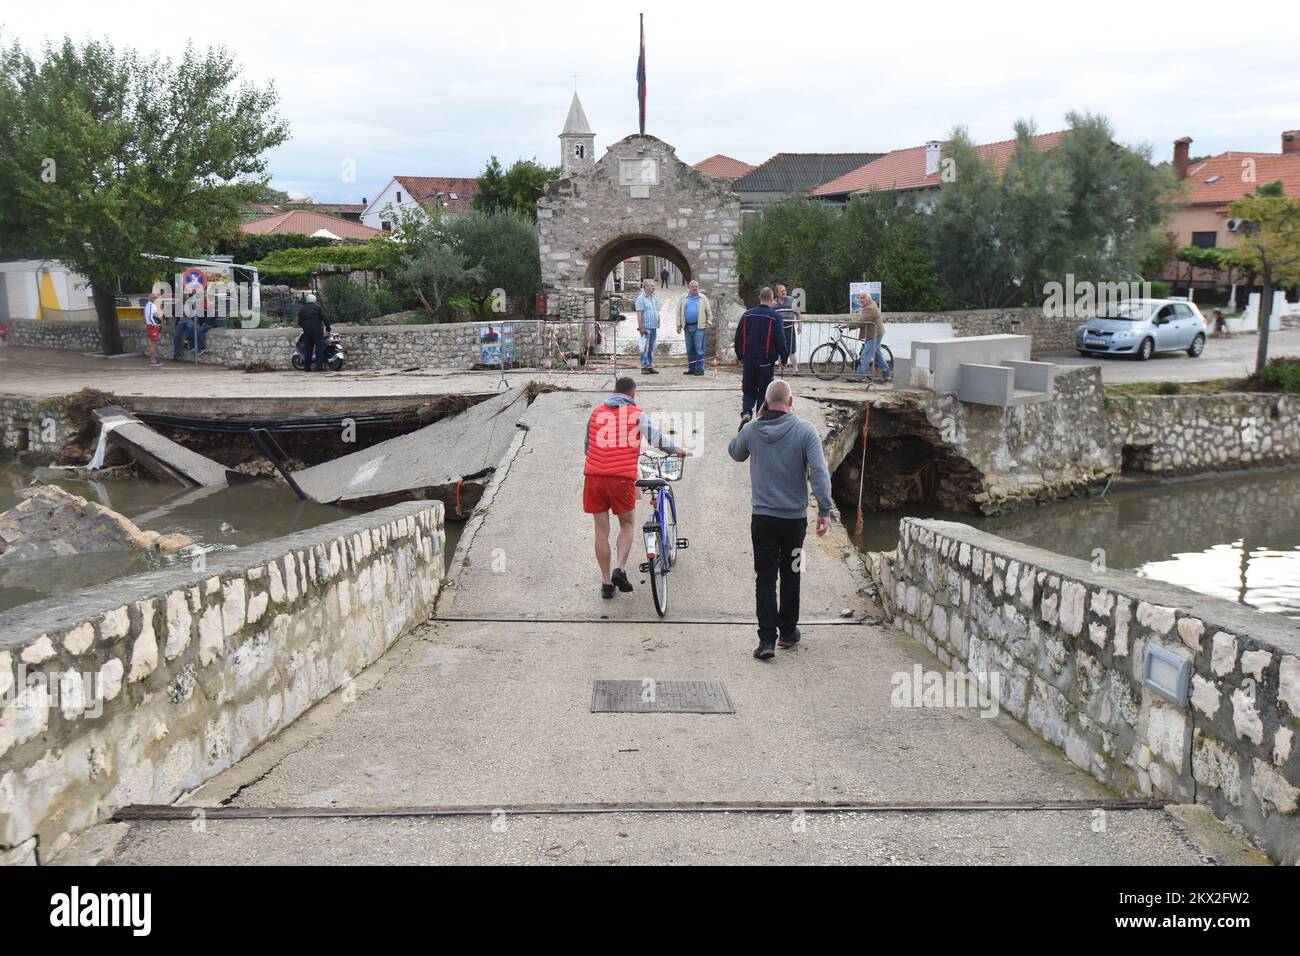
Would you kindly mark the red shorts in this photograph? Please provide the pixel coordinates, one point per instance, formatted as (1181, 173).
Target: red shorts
(153, 332)
(601, 493)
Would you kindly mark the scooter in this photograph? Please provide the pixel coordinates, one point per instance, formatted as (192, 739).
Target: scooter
(334, 354)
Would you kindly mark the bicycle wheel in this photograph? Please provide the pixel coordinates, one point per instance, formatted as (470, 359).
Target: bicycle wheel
(827, 361)
(659, 584)
(668, 519)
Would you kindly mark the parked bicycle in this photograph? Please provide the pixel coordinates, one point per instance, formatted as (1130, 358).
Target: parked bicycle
(830, 360)
(661, 541)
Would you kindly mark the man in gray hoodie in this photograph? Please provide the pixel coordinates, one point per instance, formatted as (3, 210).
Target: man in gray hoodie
(784, 454)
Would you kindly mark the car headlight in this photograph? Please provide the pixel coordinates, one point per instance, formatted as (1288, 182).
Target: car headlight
(1128, 334)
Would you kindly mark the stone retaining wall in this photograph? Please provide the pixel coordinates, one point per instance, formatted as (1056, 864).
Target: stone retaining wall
(1067, 645)
(34, 425)
(443, 345)
(146, 687)
(1187, 434)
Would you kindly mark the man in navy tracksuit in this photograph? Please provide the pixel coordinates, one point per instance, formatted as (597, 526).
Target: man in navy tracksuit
(760, 339)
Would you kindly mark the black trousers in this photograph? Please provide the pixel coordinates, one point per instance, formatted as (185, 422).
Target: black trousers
(778, 553)
(754, 380)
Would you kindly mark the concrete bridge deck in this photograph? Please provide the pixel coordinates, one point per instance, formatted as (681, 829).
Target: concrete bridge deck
(489, 706)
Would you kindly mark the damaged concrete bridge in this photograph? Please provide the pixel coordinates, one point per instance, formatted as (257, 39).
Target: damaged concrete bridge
(472, 739)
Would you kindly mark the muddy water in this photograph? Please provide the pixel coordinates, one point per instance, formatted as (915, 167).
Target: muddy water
(219, 520)
(1236, 537)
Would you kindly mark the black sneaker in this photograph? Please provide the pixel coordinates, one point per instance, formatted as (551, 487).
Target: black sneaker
(789, 639)
(650, 370)
(607, 591)
(620, 578)
(744, 420)
(766, 649)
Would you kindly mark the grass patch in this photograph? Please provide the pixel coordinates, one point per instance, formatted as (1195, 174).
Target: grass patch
(1280, 375)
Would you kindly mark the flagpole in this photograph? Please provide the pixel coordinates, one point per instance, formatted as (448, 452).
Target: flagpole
(641, 79)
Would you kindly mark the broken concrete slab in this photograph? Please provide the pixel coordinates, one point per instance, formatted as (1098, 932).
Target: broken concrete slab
(165, 459)
(424, 463)
(52, 523)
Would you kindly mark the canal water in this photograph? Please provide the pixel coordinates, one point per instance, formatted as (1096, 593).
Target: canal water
(1235, 537)
(219, 520)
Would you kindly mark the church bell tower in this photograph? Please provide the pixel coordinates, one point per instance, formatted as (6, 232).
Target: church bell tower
(577, 141)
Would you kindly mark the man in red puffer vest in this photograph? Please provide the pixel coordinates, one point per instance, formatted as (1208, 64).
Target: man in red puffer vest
(612, 447)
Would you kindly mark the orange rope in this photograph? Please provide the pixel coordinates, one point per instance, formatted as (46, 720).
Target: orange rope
(862, 471)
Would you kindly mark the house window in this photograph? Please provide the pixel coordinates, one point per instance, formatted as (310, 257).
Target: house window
(386, 226)
(1205, 240)
(399, 195)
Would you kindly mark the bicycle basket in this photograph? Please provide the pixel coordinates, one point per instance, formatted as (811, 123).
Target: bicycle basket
(668, 467)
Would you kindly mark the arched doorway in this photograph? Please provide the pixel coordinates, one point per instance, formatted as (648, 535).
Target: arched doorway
(605, 260)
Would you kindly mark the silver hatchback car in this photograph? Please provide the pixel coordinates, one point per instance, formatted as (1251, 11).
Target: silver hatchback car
(1142, 327)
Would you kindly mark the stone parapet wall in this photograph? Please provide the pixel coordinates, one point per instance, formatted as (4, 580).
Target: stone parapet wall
(1188, 434)
(34, 425)
(1048, 334)
(1067, 644)
(444, 345)
(142, 689)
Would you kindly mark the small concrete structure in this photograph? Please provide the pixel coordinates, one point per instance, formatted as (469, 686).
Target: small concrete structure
(981, 369)
(165, 459)
(424, 463)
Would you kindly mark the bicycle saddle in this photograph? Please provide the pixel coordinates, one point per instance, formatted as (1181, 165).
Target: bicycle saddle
(650, 482)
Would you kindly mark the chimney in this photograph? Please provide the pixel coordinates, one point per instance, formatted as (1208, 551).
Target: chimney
(932, 150)
(1181, 147)
(365, 201)
(1291, 141)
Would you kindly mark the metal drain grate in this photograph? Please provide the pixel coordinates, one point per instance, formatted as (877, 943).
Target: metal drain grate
(651, 696)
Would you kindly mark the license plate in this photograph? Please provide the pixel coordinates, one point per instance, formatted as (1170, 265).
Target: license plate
(1095, 344)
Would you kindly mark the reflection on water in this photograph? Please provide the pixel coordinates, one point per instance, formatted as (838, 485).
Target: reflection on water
(219, 519)
(1235, 537)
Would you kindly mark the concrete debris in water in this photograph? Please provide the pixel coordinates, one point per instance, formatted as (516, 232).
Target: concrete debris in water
(51, 523)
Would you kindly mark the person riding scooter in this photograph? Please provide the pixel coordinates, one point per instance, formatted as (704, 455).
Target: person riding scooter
(314, 325)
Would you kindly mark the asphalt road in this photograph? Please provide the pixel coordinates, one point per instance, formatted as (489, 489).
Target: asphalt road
(1223, 358)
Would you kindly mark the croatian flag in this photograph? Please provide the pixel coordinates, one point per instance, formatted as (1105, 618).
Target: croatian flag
(640, 77)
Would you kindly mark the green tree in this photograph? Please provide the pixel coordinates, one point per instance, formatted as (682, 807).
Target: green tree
(504, 245)
(789, 242)
(436, 273)
(1088, 207)
(517, 188)
(977, 266)
(1270, 249)
(107, 154)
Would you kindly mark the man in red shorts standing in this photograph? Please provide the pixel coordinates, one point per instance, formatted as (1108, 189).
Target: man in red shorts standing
(612, 447)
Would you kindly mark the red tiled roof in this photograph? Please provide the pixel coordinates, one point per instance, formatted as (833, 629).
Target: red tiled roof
(338, 208)
(1229, 168)
(423, 189)
(302, 222)
(905, 168)
(723, 167)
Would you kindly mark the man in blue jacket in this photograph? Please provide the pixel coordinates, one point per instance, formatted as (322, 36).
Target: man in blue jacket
(760, 340)
(784, 453)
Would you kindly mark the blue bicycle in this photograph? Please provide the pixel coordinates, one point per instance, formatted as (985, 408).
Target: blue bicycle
(661, 541)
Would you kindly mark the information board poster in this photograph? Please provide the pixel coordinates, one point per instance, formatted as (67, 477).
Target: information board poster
(870, 288)
(497, 344)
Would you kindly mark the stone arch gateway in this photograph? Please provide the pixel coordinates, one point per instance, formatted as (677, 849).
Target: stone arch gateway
(639, 199)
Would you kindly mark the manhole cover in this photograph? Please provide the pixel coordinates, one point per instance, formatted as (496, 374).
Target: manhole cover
(651, 696)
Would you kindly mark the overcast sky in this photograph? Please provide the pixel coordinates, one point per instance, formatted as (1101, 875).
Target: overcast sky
(436, 88)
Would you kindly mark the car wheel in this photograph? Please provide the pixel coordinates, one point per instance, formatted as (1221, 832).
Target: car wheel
(1082, 352)
(1146, 350)
(1197, 346)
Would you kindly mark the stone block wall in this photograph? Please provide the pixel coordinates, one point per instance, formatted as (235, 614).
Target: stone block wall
(1068, 643)
(1187, 434)
(144, 688)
